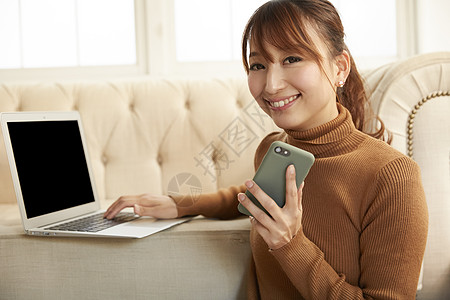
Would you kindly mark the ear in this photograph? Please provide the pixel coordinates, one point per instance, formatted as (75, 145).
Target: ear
(343, 67)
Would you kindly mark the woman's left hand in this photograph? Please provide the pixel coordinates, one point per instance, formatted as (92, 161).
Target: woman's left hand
(285, 222)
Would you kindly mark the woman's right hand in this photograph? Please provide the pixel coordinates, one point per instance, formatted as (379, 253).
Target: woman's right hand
(160, 207)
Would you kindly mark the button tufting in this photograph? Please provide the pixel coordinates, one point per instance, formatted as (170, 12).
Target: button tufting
(215, 156)
(187, 105)
(104, 160)
(159, 160)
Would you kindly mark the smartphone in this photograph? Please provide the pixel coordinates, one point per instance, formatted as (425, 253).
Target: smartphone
(271, 174)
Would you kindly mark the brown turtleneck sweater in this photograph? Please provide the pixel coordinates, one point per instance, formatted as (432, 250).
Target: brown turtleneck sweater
(365, 221)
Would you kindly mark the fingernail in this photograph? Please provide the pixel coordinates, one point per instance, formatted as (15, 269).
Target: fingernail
(291, 169)
(241, 197)
(249, 184)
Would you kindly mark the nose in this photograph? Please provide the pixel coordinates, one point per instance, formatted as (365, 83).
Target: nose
(275, 80)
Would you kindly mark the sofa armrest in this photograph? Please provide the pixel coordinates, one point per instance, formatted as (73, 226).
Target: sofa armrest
(200, 259)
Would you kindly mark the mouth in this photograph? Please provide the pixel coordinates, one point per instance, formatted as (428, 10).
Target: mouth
(281, 103)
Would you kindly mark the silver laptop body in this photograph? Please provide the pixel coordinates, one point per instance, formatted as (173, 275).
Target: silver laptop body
(53, 178)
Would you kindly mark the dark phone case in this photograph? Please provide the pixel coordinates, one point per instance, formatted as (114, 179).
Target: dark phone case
(271, 174)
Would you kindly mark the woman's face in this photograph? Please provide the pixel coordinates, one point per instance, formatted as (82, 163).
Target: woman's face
(293, 90)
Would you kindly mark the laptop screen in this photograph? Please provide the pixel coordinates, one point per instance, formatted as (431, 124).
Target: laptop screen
(51, 165)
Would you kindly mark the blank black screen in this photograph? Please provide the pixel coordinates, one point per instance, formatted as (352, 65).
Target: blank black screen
(51, 165)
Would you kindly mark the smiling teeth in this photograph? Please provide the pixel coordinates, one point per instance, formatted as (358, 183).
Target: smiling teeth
(283, 102)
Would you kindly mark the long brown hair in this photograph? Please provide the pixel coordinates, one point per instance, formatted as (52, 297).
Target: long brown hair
(284, 23)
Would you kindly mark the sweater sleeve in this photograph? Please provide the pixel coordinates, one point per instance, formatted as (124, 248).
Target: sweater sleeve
(222, 204)
(392, 244)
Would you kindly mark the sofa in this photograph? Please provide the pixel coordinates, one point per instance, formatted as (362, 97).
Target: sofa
(145, 133)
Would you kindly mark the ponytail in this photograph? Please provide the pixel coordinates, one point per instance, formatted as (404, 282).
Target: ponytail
(353, 96)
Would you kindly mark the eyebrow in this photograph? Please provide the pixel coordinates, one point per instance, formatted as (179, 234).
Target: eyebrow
(253, 54)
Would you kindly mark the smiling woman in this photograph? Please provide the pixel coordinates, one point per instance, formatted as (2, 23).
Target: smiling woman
(337, 235)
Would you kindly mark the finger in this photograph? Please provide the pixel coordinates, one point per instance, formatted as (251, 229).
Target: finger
(141, 211)
(112, 207)
(300, 196)
(119, 205)
(265, 200)
(262, 230)
(254, 210)
(291, 189)
(273, 241)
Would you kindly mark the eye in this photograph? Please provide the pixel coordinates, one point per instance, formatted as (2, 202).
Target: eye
(292, 59)
(256, 67)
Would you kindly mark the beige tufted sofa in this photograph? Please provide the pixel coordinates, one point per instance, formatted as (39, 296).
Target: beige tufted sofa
(143, 133)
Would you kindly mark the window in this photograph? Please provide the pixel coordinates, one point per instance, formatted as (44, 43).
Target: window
(211, 30)
(110, 38)
(67, 33)
(370, 26)
(213, 33)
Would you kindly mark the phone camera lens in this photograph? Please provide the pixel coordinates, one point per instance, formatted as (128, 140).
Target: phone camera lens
(278, 149)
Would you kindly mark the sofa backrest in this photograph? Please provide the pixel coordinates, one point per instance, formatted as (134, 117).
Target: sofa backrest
(152, 135)
(412, 97)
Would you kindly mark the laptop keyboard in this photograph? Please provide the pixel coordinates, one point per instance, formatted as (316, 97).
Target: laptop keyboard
(94, 223)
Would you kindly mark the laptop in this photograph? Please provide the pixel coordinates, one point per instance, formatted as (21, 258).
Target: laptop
(54, 182)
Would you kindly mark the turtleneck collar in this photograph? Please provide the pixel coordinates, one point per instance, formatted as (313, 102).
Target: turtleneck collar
(336, 137)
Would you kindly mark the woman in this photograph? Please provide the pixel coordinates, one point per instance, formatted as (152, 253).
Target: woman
(358, 228)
